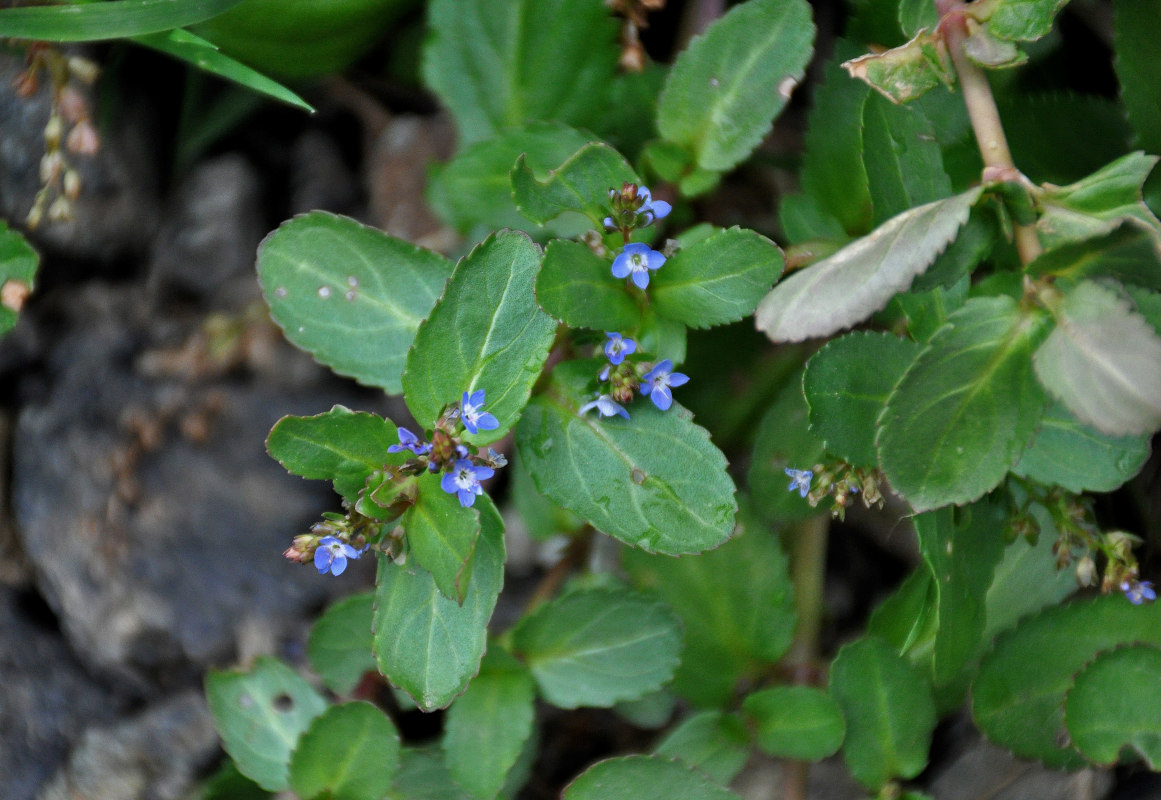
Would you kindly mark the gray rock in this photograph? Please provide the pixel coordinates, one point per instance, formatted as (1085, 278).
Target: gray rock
(154, 756)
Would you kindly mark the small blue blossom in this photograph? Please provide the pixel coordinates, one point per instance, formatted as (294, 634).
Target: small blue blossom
(654, 209)
(409, 441)
(617, 347)
(637, 259)
(657, 383)
(606, 406)
(473, 414)
(1138, 591)
(464, 481)
(800, 479)
(332, 554)
(609, 223)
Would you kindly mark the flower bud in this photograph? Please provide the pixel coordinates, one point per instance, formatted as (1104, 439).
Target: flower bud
(52, 131)
(1086, 572)
(83, 139)
(83, 69)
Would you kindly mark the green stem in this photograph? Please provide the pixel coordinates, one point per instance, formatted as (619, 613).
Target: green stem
(985, 117)
(806, 542)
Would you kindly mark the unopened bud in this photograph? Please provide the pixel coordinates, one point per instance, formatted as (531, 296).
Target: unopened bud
(50, 166)
(25, 84)
(52, 131)
(72, 184)
(60, 210)
(83, 139)
(83, 69)
(1086, 572)
(73, 107)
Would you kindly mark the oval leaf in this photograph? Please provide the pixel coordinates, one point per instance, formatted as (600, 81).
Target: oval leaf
(796, 722)
(644, 776)
(441, 536)
(1101, 361)
(654, 481)
(726, 88)
(577, 287)
(339, 647)
(712, 742)
(486, 332)
(597, 647)
(260, 714)
(425, 644)
(861, 279)
(717, 280)
(349, 295)
(350, 752)
(581, 183)
(1115, 704)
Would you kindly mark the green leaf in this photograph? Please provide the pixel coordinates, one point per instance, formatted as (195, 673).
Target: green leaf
(205, 56)
(916, 14)
(260, 714)
(487, 727)
(784, 440)
(889, 712)
(90, 22)
(597, 647)
(711, 742)
(474, 189)
(227, 783)
(1101, 361)
(719, 279)
(1097, 204)
(542, 518)
(499, 64)
(339, 647)
(18, 263)
(423, 775)
(486, 332)
(1130, 253)
(1137, 29)
(425, 644)
(1019, 694)
(966, 408)
(1021, 20)
(726, 88)
(350, 752)
(577, 287)
(349, 295)
(644, 776)
(905, 72)
(340, 445)
(796, 722)
(861, 278)
(902, 157)
(1070, 454)
(581, 183)
(847, 383)
(654, 481)
(737, 606)
(907, 619)
(442, 536)
(927, 312)
(1147, 304)
(1115, 704)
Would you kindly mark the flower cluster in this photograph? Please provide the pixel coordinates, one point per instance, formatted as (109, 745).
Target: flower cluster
(625, 378)
(826, 481)
(633, 207)
(333, 542)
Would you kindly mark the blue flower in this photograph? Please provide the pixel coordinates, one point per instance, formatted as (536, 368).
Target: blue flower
(606, 406)
(658, 381)
(409, 441)
(800, 479)
(654, 209)
(637, 259)
(332, 554)
(473, 414)
(464, 481)
(1138, 591)
(616, 348)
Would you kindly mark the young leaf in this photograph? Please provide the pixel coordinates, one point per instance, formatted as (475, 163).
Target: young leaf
(349, 295)
(644, 776)
(1137, 29)
(425, 644)
(1115, 704)
(737, 607)
(905, 72)
(499, 64)
(1075, 456)
(340, 445)
(260, 714)
(350, 752)
(717, 280)
(654, 481)
(423, 775)
(1019, 694)
(487, 727)
(966, 408)
(797, 722)
(581, 183)
(1097, 204)
(486, 332)
(1021, 20)
(18, 262)
(888, 709)
(597, 647)
(711, 742)
(1130, 253)
(860, 279)
(577, 287)
(442, 535)
(731, 82)
(902, 157)
(1101, 361)
(916, 14)
(91, 22)
(847, 383)
(339, 647)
